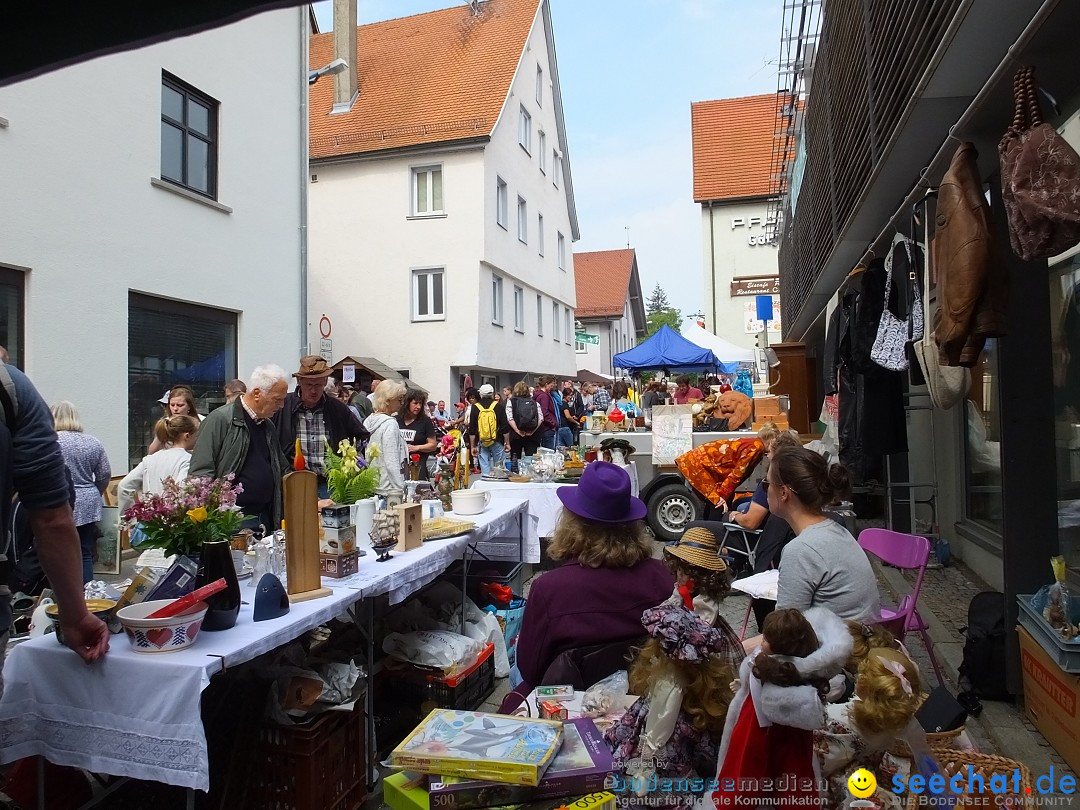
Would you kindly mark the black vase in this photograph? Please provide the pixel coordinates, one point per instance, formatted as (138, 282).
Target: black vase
(216, 563)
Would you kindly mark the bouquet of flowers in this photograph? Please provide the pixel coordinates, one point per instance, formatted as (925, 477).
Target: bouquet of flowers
(186, 515)
(349, 477)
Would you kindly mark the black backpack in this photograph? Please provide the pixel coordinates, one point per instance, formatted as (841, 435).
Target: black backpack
(982, 673)
(526, 413)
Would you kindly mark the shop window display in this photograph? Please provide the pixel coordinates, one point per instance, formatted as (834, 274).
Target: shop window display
(982, 443)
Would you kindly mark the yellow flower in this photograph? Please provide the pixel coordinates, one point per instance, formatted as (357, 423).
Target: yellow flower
(197, 515)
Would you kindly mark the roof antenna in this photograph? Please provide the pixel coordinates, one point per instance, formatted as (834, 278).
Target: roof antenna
(627, 229)
(474, 5)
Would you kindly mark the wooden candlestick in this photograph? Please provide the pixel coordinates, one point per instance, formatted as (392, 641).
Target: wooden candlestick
(301, 497)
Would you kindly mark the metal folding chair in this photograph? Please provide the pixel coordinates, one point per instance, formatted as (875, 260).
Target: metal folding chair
(741, 542)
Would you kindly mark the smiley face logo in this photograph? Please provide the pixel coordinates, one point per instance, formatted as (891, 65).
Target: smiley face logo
(862, 783)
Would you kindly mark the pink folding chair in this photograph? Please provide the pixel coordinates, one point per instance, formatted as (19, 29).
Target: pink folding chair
(909, 552)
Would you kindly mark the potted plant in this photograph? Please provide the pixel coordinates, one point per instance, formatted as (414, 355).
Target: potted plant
(349, 477)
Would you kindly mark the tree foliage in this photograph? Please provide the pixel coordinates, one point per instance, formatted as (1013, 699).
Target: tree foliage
(670, 316)
(658, 301)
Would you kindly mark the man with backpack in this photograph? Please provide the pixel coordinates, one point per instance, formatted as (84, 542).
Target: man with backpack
(31, 466)
(488, 431)
(549, 414)
(523, 419)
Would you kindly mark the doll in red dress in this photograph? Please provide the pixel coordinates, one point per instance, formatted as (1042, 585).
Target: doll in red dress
(767, 751)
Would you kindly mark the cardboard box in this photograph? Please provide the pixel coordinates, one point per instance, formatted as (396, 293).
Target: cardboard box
(338, 565)
(401, 792)
(764, 407)
(1051, 696)
(337, 541)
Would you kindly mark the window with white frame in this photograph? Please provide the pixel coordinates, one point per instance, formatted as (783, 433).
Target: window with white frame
(541, 148)
(501, 202)
(555, 321)
(569, 325)
(496, 299)
(540, 233)
(539, 86)
(525, 130)
(519, 309)
(427, 191)
(539, 315)
(523, 220)
(562, 251)
(556, 167)
(429, 294)
(579, 347)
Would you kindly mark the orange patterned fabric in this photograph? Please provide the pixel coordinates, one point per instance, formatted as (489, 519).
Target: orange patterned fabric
(716, 468)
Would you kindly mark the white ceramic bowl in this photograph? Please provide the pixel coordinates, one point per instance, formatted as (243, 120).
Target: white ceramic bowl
(161, 635)
(470, 501)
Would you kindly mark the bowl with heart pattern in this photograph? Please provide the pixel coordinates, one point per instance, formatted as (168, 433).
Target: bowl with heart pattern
(160, 635)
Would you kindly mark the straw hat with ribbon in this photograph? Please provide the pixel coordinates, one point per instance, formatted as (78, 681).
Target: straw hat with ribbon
(699, 546)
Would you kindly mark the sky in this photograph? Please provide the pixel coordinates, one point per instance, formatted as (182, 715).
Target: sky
(629, 70)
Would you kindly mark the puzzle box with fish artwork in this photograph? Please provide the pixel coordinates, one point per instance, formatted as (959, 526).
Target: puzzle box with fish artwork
(493, 747)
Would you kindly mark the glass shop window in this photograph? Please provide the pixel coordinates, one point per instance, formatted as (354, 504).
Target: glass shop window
(982, 445)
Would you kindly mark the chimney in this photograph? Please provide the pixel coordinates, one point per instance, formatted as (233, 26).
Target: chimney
(346, 83)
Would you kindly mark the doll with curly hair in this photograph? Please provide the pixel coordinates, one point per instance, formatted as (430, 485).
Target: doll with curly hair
(671, 732)
(767, 751)
(859, 733)
(702, 577)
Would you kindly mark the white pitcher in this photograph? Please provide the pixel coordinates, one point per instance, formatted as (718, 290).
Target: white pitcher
(363, 512)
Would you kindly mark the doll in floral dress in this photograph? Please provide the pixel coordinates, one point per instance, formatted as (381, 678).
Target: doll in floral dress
(671, 732)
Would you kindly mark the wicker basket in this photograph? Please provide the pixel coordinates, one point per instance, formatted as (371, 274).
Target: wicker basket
(953, 761)
(934, 739)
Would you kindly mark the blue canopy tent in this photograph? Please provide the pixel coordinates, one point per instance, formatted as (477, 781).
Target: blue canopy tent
(666, 349)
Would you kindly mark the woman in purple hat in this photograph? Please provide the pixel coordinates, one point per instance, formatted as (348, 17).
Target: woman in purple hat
(607, 579)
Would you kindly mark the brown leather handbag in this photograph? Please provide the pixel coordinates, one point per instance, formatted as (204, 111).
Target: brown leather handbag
(1040, 178)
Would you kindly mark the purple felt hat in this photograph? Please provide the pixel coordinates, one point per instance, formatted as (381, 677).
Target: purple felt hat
(603, 495)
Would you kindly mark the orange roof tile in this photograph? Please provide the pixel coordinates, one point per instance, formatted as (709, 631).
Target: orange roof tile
(602, 278)
(428, 78)
(733, 146)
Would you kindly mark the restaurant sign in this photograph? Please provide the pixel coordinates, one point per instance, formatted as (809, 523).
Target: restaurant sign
(768, 285)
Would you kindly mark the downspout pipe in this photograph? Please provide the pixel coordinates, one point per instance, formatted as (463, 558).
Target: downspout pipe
(302, 79)
(712, 265)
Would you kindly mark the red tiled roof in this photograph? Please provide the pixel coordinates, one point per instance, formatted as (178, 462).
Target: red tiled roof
(602, 279)
(733, 146)
(428, 78)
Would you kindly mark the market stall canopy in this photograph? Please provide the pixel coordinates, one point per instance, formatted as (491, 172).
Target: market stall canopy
(584, 375)
(727, 353)
(370, 367)
(666, 349)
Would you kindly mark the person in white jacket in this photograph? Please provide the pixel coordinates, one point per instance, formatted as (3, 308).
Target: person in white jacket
(177, 433)
(386, 437)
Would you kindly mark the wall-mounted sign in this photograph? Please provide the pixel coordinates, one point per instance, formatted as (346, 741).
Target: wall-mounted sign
(585, 337)
(326, 348)
(769, 285)
(767, 226)
(751, 323)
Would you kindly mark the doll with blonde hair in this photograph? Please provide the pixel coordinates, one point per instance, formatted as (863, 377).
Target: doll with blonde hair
(672, 731)
(859, 733)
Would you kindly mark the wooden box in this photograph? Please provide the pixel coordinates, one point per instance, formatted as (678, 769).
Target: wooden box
(338, 565)
(410, 527)
(765, 407)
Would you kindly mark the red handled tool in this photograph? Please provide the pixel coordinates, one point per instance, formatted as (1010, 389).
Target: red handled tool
(184, 602)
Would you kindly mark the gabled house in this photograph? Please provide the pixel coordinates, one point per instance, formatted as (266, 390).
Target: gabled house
(441, 202)
(733, 148)
(610, 308)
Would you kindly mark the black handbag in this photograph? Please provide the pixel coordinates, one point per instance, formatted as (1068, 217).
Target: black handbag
(941, 712)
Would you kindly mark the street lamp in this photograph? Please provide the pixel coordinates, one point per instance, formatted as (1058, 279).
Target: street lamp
(335, 67)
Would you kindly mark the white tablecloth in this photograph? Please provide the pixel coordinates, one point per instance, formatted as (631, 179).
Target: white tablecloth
(544, 504)
(137, 715)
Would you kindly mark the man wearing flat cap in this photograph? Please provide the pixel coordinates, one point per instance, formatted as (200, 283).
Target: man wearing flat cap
(315, 419)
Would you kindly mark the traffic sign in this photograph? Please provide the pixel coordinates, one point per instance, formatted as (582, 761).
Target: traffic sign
(585, 337)
(326, 348)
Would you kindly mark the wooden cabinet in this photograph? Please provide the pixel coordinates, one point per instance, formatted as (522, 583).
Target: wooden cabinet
(796, 377)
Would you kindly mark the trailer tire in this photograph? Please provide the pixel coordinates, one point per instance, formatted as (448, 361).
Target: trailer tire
(671, 507)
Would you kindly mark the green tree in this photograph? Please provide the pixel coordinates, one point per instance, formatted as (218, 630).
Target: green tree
(658, 300)
(670, 316)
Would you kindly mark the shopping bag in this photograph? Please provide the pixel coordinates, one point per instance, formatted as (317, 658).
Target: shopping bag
(509, 619)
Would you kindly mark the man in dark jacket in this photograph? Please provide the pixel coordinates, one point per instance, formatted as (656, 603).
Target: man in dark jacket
(549, 414)
(315, 419)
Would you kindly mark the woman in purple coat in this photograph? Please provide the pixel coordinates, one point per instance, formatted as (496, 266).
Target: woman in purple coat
(607, 579)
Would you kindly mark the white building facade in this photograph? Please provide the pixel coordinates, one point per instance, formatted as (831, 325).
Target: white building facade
(451, 260)
(152, 214)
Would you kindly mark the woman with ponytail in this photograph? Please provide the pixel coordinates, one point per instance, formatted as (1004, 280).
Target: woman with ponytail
(177, 434)
(824, 565)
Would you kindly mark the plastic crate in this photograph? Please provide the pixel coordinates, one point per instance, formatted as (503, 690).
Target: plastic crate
(315, 767)
(466, 690)
(1066, 654)
(496, 571)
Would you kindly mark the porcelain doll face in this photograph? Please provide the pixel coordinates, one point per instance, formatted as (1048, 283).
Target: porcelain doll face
(681, 578)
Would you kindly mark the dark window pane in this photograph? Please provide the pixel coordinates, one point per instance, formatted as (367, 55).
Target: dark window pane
(198, 117)
(11, 314)
(198, 165)
(170, 344)
(422, 294)
(172, 152)
(172, 104)
(437, 308)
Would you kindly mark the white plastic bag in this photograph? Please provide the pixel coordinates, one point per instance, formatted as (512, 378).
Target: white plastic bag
(433, 648)
(605, 696)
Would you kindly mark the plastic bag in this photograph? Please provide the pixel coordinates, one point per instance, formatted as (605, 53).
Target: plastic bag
(433, 648)
(605, 696)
